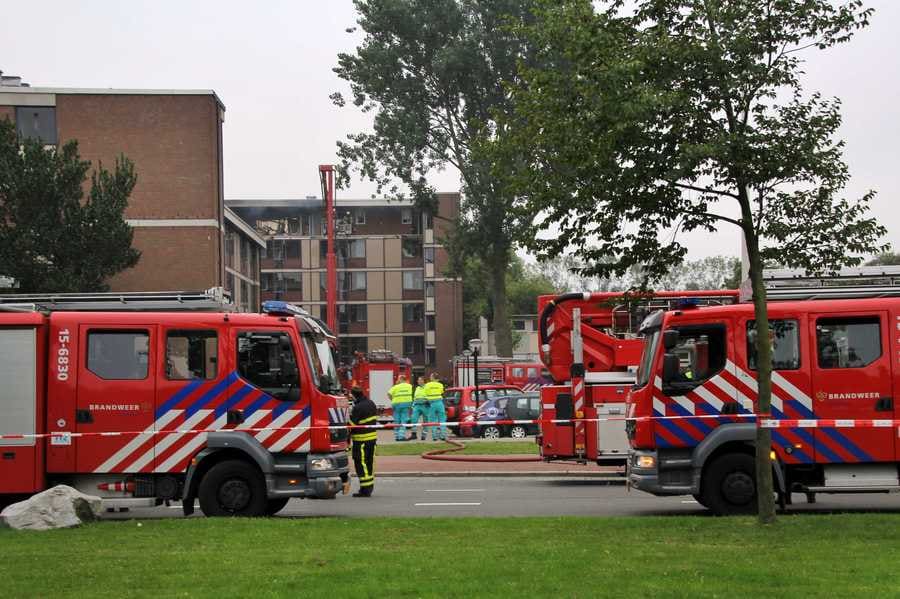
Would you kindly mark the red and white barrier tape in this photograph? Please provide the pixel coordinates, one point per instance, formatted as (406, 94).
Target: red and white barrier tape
(769, 423)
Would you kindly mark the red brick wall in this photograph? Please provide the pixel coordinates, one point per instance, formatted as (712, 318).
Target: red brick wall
(172, 140)
(182, 258)
(8, 111)
(448, 335)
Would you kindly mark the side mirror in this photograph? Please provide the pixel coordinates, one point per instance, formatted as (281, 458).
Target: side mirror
(670, 339)
(670, 367)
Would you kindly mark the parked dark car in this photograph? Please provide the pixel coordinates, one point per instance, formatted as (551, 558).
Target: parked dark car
(508, 404)
(462, 403)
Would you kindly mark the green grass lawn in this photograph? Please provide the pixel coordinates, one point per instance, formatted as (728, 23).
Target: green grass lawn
(472, 448)
(800, 556)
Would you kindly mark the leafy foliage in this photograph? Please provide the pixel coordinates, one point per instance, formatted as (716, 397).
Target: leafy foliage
(885, 259)
(52, 238)
(431, 72)
(683, 115)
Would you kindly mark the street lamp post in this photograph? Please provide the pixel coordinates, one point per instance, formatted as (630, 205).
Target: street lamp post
(475, 345)
(467, 353)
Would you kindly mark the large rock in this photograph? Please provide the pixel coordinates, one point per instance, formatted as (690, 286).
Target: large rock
(59, 507)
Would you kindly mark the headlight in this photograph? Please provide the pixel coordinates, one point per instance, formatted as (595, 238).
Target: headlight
(321, 464)
(645, 462)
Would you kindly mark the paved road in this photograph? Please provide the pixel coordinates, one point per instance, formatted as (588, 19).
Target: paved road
(487, 496)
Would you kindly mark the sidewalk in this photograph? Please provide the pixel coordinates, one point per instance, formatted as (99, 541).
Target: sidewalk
(417, 466)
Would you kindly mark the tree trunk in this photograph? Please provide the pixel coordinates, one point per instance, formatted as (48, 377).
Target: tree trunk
(764, 484)
(502, 329)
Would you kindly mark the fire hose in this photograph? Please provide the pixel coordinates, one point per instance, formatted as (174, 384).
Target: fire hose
(441, 454)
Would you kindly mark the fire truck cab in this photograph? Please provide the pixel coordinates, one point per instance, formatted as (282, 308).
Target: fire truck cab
(127, 399)
(835, 375)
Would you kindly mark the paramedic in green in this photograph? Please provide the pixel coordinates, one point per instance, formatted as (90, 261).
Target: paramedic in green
(420, 408)
(434, 394)
(363, 412)
(401, 396)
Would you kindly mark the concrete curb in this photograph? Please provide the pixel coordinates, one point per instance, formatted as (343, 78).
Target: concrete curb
(598, 477)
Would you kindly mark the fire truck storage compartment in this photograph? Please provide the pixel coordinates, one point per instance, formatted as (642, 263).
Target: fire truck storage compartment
(612, 442)
(18, 404)
(380, 382)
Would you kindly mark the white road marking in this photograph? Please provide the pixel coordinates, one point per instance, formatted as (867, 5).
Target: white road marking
(445, 504)
(688, 501)
(454, 490)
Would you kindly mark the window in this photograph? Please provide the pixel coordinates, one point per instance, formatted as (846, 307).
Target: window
(350, 345)
(701, 352)
(119, 355)
(412, 248)
(358, 312)
(358, 248)
(429, 255)
(292, 248)
(359, 217)
(532, 373)
(848, 342)
(266, 359)
(229, 249)
(413, 345)
(245, 256)
(785, 338)
(191, 355)
(229, 283)
(429, 322)
(406, 216)
(518, 372)
(518, 325)
(292, 281)
(412, 279)
(37, 122)
(245, 296)
(429, 289)
(430, 357)
(452, 398)
(413, 312)
(429, 220)
(323, 250)
(357, 280)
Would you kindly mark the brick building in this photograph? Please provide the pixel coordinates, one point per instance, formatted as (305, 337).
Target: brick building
(392, 290)
(174, 138)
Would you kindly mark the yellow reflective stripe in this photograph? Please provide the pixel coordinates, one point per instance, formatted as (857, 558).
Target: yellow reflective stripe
(364, 437)
(366, 420)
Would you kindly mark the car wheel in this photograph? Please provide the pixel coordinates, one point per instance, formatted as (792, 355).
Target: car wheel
(729, 485)
(233, 488)
(273, 506)
(490, 432)
(518, 432)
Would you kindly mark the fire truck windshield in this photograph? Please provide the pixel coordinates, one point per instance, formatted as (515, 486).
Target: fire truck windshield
(651, 341)
(322, 362)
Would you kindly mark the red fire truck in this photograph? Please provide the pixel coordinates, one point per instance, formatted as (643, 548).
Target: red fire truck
(375, 373)
(836, 372)
(494, 370)
(590, 347)
(99, 392)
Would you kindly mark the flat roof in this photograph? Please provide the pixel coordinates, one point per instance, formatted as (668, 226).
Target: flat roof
(107, 91)
(316, 203)
(238, 222)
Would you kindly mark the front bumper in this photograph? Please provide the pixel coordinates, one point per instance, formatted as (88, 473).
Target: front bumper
(671, 474)
(303, 481)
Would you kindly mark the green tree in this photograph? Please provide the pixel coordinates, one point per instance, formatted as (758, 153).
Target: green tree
(432, 73)
(683, 115)
(885, 259)
(52, 238)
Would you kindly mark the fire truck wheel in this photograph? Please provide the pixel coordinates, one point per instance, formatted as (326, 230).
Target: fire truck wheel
(699, 499)
(273, 506)
(518, 432)
(729, 485)
(233, 488)
(490, 432)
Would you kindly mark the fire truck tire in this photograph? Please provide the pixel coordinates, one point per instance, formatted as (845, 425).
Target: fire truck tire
(699, 499)
(729, 485)
(490, 432)
(518, 432)
(273, 506)
(233, 488)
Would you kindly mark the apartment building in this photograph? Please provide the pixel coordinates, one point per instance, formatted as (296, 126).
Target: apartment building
(174, 138)
(392, 290)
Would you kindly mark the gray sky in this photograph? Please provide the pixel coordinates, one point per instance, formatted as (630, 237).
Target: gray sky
(270, 63)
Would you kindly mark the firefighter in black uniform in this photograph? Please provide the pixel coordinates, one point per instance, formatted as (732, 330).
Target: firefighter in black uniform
(364, 439)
